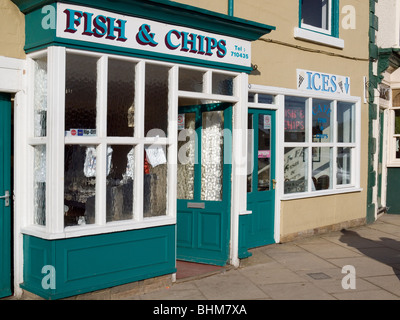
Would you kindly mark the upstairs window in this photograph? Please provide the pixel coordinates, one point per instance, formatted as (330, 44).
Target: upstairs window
(319, 16)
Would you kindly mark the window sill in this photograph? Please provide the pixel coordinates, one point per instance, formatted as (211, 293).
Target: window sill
(93, 229)
(315, 37)
(319, 193)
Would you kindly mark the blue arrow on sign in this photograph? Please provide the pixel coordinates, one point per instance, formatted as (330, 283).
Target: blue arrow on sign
(347, 85)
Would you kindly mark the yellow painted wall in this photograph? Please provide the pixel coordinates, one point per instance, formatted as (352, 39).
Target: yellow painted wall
(220, 6)
(12, 30)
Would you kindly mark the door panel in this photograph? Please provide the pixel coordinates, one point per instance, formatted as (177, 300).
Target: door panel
(257, 228)
(5, 185)
(203, 217)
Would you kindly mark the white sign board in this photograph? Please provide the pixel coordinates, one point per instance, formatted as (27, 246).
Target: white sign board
(108, 28)
(322, 82)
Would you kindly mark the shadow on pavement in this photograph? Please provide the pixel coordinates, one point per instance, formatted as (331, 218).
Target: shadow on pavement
(385, 250)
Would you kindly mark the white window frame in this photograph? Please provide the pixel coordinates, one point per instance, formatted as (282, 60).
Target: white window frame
(327, 31)
(56, 140)
(393, 161)
(279, 105)
(319, 35)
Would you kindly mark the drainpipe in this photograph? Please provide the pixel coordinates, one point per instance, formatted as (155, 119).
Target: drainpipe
(230, 7)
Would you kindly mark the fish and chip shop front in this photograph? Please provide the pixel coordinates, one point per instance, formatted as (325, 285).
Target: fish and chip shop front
(134, 142)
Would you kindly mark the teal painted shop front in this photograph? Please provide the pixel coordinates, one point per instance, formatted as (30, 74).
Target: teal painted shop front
(108, 81)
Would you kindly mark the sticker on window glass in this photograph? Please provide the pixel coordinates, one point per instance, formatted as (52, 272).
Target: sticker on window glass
(80, 133)
(267, 122)
(181, 121)
(264, 154)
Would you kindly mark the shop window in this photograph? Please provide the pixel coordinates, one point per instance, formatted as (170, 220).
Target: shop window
(40, 185)
(318, 15)
(119, 185)
(222, 84)
(156, 100)
(40, 97)
(191, 80)
(320, 156)
(80, 94)
(261, 98)
(121, 98)
(397, 133)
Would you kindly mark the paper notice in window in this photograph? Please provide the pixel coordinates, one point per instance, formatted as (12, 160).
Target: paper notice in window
(155, 155)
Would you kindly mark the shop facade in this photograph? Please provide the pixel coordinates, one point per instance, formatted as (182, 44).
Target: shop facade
(384, 100)
(150, 132)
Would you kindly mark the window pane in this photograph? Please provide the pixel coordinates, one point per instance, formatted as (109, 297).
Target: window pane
(264, 152)
(120, 98)
(295, 170)
(40, 185)
(295, 119)
(155, 181)
(315, 13)
(191, 80)
(251, 97)
(343, 166)
(266, 98)
(321, 168)
(40, 97)
(222, 84)
(345, 122)
(397, 122)
(186, 156)
(321, 120)
(397, 148)
(120, 176)
(79, 184)
(250, 153)
(212, 155)
(156, 101)
(81, 93)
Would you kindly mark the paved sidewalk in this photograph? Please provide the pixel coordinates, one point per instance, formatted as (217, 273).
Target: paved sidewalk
(308, 269)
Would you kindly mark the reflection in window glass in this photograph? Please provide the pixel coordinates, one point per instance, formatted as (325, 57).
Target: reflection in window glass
(345, 122)
(120, 98)
(81, 93)
(222, 84)
(315, 13)
(156, 99)
(79, 184)
(40, 97)
(120, 177)
(321, 120)
(190, 80)
(264, 152)
(295, 119)
(186, 155)
(343, 175)
(321, 168)
(397, 148)
(40, 185)
(295, 170)
(212, 155)
(155, 181)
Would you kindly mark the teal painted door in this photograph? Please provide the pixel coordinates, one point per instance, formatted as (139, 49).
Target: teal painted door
(257, 228)
(204, 183)
(5, 202)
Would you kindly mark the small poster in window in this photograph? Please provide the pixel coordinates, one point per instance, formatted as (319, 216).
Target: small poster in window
(181, 121)
(156, 155)
(264, 154)
(267, 122)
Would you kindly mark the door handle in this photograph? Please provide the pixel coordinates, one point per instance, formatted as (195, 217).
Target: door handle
(273, 184)
(6, 197)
